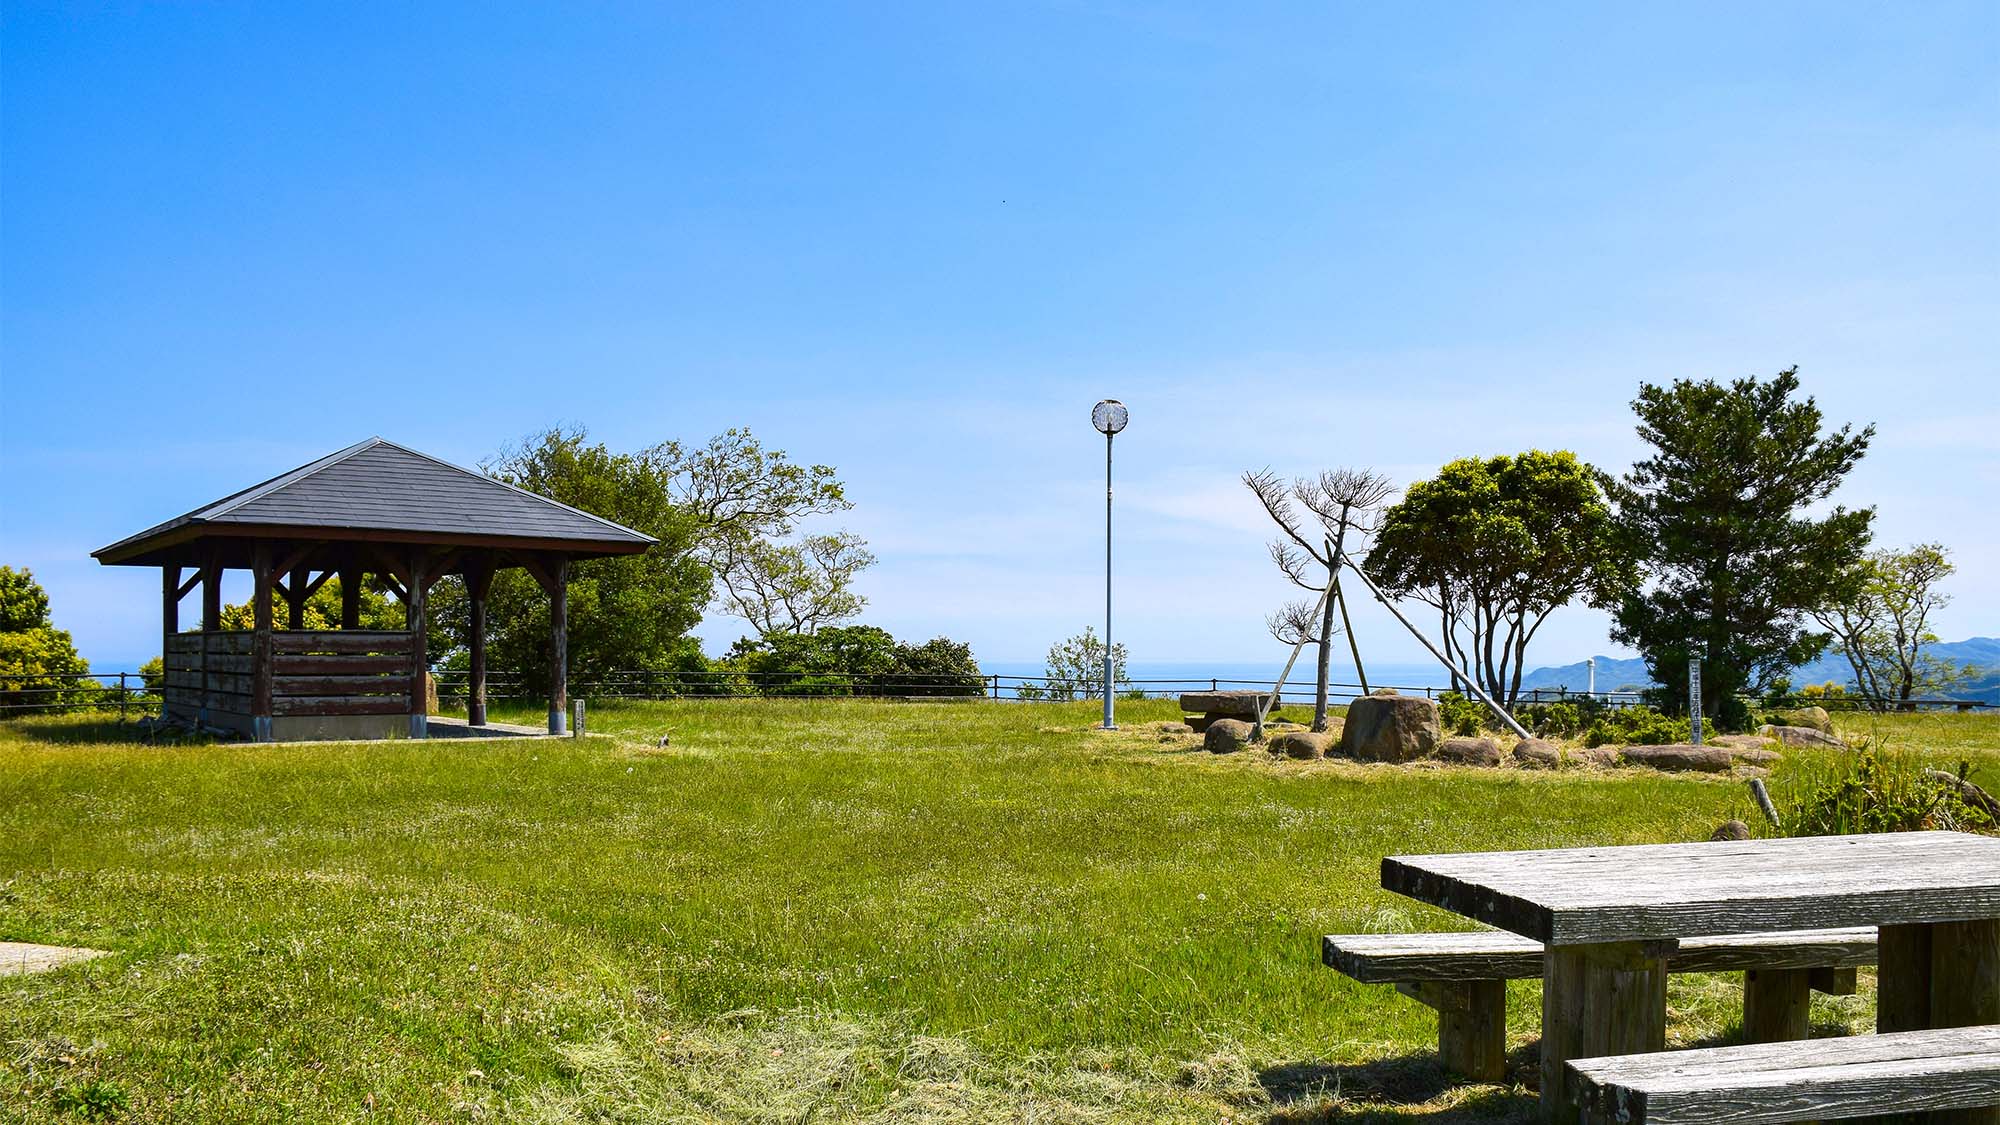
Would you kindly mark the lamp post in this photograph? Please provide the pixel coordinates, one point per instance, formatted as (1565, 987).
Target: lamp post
(1108, 417)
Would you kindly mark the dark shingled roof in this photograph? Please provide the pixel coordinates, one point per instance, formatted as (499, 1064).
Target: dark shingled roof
(383, 491)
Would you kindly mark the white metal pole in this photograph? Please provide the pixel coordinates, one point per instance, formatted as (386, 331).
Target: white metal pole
(1109, 722)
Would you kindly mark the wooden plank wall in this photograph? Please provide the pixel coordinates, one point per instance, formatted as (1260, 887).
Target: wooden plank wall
(317, 672)
(340, 672)
(209, 671)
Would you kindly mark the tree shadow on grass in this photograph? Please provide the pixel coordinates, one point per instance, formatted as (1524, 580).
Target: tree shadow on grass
(1402, 1089)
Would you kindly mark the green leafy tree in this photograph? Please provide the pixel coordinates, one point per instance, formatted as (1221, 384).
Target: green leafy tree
(796, 587)
(1495, 545)
(1881, 619)
(39, 666)
(630, 612)
(747, 503)
(1732, 561)
(720, 512)
(1075, 668)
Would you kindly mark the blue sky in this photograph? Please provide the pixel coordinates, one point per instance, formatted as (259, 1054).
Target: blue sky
(917, 242)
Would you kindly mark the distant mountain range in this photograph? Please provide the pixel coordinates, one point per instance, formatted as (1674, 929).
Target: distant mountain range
(1630, 675)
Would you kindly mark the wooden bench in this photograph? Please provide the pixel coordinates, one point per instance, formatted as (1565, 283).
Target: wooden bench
(1464, 977)
(1767, 1083)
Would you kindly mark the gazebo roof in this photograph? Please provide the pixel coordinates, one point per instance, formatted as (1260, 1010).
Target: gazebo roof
(380, 492)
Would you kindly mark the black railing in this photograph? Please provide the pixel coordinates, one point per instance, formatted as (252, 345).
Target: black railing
(36, 692)
(127, 693)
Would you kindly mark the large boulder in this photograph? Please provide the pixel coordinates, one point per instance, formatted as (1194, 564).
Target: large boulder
(1386, 727)
(1469, 751)
(1678, 757)
(1304, 745)
(1537, 754)
(1749, 756)
(1804, 736)
(1814, 717)
(1226, 736)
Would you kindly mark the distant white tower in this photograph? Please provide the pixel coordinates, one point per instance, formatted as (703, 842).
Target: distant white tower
(1591, 661)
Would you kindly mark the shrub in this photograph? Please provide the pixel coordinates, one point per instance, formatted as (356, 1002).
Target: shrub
(1636, 726)
(1553, 720)
(855, 660)
(1872, 790)
(1460, 715)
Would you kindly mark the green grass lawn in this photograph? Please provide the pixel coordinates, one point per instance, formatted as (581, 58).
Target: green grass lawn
(800, 911)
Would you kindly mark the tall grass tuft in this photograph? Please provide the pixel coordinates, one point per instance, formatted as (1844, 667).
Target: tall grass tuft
(1874, 789)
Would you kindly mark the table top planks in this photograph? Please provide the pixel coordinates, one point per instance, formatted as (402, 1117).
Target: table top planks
(1652, 892)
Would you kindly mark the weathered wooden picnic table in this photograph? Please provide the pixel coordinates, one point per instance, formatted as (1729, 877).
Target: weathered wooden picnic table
(1610, 916)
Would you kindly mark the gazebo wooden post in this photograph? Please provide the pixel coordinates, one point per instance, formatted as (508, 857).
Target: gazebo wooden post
(170, 608)
(350, 596)
(211, 596)
(260, 646)
(415, 604)
(478, 583)
(211, 624)
(295, 597)
(558, 644)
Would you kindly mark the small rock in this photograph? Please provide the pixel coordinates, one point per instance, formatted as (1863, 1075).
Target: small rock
(1678, 757)
(1304, 745)
(1469, 751)
(1167, 729)
(1226, 736)
(1537, 754)
(1754, 757)
(1731, 830)
(665, 739)
(1804, 736)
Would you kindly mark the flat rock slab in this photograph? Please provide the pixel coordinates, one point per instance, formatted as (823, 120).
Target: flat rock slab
(1231, 703)
(18, 958)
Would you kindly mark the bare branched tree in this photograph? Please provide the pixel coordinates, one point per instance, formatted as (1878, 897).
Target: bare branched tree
(1322, 518)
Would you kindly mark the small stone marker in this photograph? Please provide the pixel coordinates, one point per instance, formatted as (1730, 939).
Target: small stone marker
(19, 958)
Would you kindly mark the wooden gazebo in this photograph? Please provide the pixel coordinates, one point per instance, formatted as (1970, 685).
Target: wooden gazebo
(374, 508)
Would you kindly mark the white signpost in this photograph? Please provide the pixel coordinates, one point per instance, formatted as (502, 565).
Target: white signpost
(1694, 698)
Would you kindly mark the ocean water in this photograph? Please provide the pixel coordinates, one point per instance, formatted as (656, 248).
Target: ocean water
(1173, 677)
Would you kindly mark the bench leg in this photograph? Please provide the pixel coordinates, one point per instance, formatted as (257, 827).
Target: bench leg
(1473, 1042)
(1598, 1000)
(1965, 992)
(1942, 975)
(1472, 1024)
(1777, 1005)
